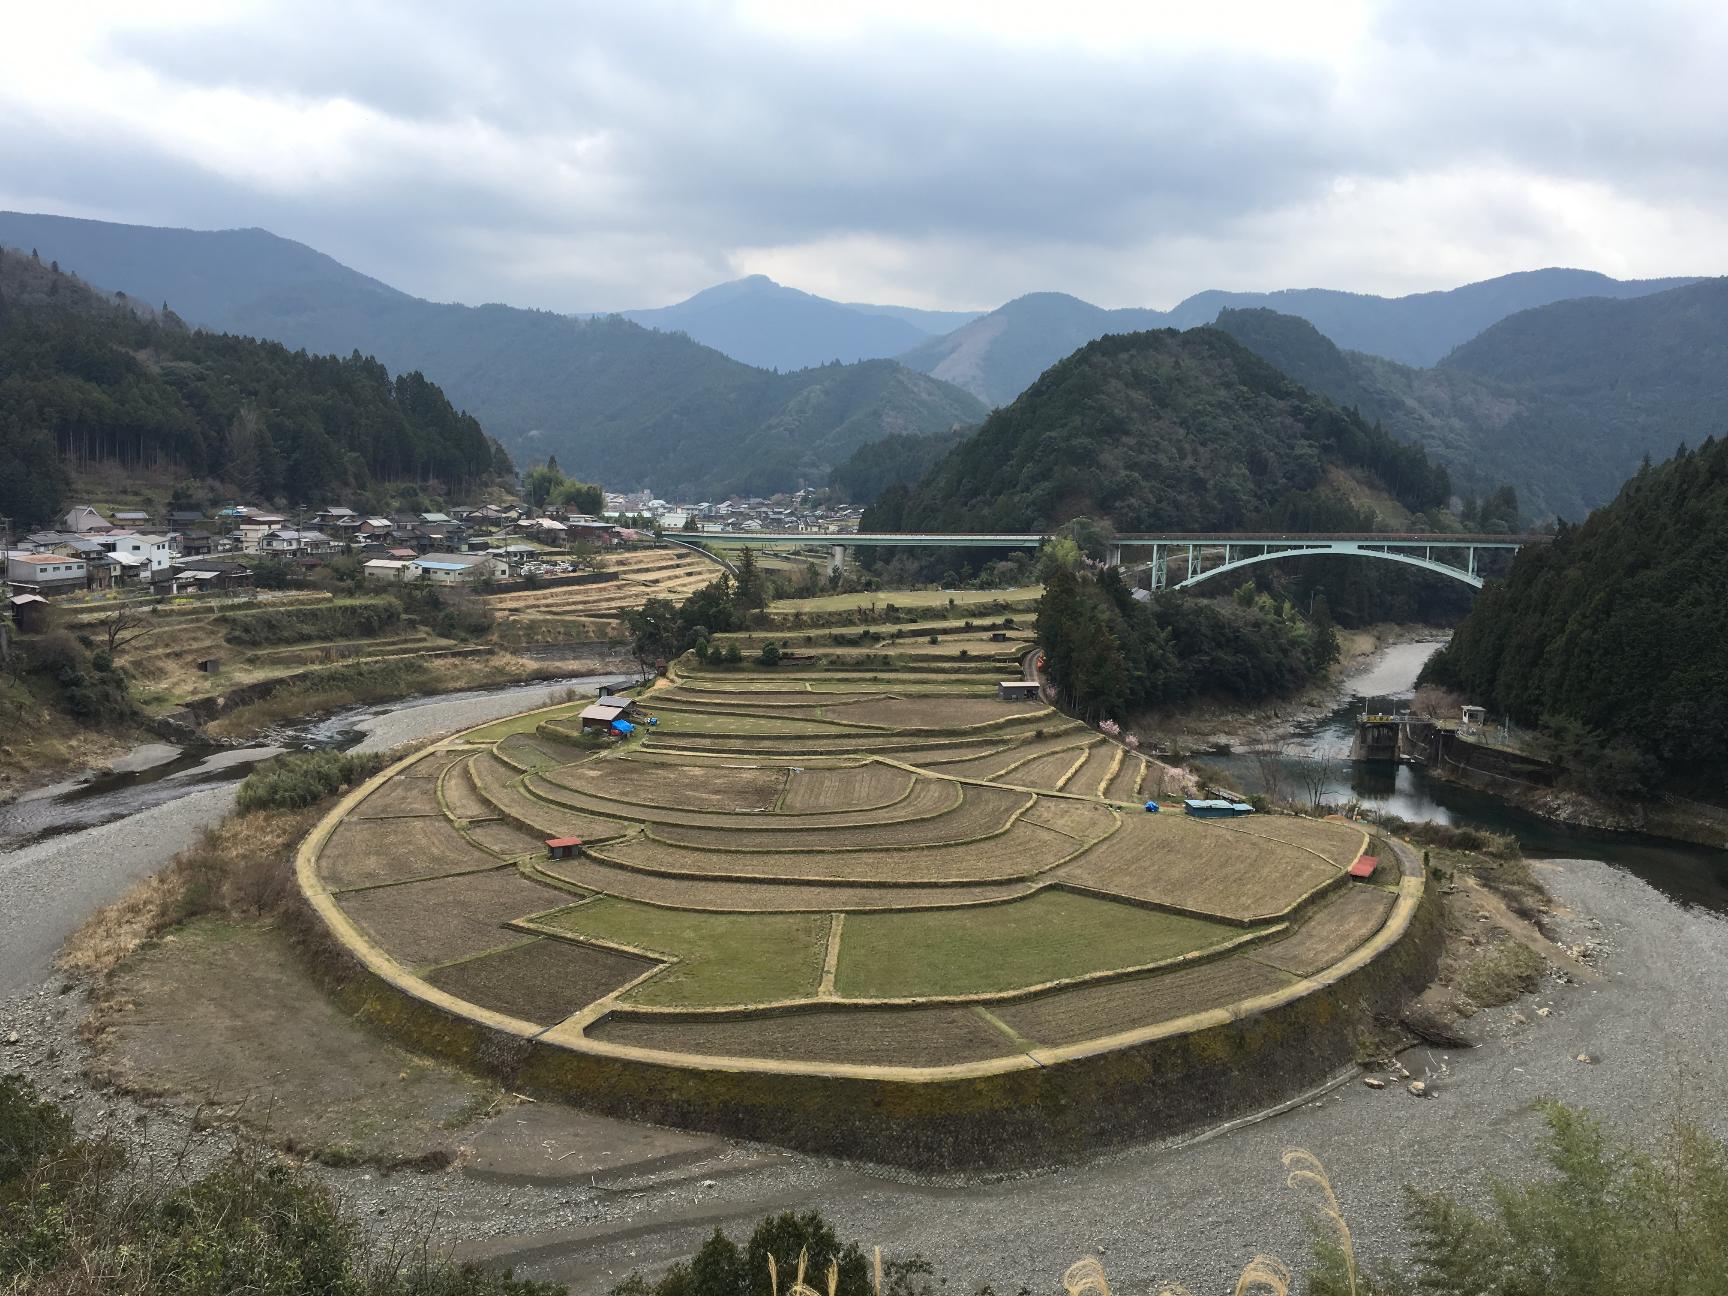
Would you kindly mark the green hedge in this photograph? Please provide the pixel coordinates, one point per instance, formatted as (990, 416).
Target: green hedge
(360, 619)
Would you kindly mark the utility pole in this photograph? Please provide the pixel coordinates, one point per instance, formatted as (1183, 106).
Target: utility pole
(6, 594)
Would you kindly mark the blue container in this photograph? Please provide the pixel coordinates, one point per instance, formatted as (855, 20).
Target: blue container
(1151, 807)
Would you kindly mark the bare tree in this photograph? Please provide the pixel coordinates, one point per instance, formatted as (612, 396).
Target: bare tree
(1271, 768)
(1316, 775)
(124, 626)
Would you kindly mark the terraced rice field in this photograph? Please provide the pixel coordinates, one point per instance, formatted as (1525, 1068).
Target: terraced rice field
(621, 581)
(851, 860)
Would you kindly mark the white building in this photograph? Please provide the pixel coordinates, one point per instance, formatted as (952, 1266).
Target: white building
(46, 573)
(456, 569)
(386, 569)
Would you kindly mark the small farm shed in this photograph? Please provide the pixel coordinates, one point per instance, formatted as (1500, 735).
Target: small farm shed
(1017, 690)
(30, 611)
(564, 847)
(604, 713)
(1215, 809)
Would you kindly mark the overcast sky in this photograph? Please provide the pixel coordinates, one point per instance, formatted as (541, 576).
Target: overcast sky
(614, 155)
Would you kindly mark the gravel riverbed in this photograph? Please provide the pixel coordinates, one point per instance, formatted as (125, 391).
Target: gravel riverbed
(1654, 1032)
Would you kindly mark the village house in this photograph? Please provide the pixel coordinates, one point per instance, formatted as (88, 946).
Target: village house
(456, 569)
(45, 574)
(207, 576)
(83, 518)
(254, 527)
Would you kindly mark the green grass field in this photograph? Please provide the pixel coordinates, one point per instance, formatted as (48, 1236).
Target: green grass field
(1051, 936)
(721, 958)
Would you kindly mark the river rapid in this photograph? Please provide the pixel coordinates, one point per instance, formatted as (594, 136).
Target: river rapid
(1316, 754)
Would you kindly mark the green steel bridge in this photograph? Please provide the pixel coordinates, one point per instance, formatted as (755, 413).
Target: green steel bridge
(1176, 560)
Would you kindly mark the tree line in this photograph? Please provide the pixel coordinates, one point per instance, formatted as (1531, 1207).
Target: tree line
(1615, 636)
(81, 389)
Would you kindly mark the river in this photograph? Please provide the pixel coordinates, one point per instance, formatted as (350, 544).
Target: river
(68, 849)
(1317, 754)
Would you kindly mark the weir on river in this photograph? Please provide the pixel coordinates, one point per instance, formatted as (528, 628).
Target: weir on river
(1317, 755)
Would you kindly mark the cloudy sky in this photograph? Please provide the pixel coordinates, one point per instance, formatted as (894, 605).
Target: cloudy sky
(607, 156)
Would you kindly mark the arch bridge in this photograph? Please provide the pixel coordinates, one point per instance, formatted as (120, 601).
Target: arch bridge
(1175, 560)
(1182, 561)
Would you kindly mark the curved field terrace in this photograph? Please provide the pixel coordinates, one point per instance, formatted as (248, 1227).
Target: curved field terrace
(853, 867)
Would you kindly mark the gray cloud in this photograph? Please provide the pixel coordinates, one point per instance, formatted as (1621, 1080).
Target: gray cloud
(609, 156)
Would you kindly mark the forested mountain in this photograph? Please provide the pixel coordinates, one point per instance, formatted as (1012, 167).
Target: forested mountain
(772, 326)
(1563, 401)
(897, 460)
(1616, 635)
(1186, 431)
(84, 380)
(614, 401)
(997, 356)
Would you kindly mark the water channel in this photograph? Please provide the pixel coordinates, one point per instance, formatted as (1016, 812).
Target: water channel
(1318, 754)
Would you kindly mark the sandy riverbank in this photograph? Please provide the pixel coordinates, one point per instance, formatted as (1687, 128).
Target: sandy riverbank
(1654, 1031)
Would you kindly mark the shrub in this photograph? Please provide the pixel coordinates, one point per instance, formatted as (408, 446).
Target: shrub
(301, 778)
(732, 656)
(770, 654)
(360, 619)
(75, 1219)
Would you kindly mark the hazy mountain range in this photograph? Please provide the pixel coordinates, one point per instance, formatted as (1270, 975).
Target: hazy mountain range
(1562, 401)
(616, 402)
(1557, 381)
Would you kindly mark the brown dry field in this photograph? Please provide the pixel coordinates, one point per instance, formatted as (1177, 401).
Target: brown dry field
(1125, 786)
(855, 789)
(770, 897)
(1049, 772)
(1082, 820)
(737, 803)
(1069, 737)
(982, 812)
(1338, 843)
(367, 852)
(1019, 852)
(1111, 1007)
(400, 796)
(912, 714)
(860, 1037)
(529, 751)
(1338, 925)
(947, 759)
(430, 767)
(1188, 864)
(496, 782)
(461, 797)
(927, 798)
(504, 840)
(543, 981)
(1089, 778)
(697, 787)
(422, 923)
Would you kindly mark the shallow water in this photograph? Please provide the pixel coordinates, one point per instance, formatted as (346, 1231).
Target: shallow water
(1317, 755)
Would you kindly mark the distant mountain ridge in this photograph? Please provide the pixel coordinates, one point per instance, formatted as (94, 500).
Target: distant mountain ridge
(998, 355)
(616, 402)
(771, 326)
(1563, 400)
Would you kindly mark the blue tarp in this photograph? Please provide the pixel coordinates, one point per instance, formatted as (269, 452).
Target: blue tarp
(623, 727)
(1151, 807)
